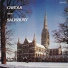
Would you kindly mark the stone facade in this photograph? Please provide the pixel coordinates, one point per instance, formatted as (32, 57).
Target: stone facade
(29, 51)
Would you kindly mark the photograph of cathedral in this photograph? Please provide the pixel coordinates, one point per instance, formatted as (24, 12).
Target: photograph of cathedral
(34, 31)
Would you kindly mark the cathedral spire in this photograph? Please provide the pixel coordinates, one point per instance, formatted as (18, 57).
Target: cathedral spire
(45, 22)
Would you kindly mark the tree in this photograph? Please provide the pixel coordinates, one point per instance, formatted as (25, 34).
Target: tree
(3, 14)
(9, 38)
(9, 43)
(61, 35)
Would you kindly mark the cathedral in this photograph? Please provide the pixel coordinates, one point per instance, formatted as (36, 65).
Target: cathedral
(31, 50)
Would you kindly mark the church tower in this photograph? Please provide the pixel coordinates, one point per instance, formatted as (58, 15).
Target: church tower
(45, 34)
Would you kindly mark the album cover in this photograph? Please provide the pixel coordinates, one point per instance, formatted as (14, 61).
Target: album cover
(34, 33)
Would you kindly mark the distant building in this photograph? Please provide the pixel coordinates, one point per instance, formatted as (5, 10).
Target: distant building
(55, 51)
